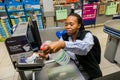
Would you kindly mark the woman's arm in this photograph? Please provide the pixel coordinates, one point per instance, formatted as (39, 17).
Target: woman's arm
(54, 47)
(80, 47)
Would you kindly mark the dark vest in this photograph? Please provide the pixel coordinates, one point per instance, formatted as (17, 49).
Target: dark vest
(88, 62)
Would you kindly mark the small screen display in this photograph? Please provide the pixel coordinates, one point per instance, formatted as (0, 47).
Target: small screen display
(18, 45)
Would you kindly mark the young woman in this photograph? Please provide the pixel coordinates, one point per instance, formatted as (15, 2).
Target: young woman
(76, 48)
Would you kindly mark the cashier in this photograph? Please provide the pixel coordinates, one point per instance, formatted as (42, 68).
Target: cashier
(71, 43)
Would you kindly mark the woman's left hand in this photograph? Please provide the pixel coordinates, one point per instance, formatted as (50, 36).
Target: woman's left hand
(42, 55)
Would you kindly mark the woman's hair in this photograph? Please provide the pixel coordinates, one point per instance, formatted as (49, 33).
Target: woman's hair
(79, 19)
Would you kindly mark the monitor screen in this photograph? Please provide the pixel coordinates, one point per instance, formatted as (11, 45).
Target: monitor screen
(33, 34)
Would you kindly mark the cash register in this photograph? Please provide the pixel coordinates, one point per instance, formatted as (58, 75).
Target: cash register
(24, 41)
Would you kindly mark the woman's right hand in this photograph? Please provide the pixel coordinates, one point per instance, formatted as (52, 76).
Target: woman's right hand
(47, 49)
(53, 47)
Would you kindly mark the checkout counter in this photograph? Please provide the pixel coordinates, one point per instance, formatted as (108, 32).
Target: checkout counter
(112, 51)
(20, 46)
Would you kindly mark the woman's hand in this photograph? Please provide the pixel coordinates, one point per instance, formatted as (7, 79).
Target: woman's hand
(53, 47)
(42, 55)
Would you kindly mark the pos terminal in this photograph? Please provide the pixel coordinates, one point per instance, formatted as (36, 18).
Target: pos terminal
(21, 45)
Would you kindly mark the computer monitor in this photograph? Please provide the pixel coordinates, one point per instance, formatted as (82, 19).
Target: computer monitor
(33, 34)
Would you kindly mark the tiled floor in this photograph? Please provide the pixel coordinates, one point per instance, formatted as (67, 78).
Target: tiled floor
(7, 71)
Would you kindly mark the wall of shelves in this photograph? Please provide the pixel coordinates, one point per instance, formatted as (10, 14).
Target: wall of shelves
(18, 11)
(4, 22)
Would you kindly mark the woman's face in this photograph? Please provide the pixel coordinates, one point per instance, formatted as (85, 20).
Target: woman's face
(71, 25)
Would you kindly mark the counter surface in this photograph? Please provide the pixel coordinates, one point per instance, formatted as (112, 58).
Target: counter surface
(53, 71)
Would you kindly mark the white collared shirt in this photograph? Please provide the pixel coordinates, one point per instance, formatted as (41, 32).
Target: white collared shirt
(80, 47)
